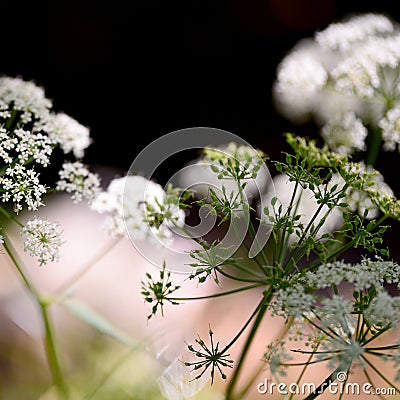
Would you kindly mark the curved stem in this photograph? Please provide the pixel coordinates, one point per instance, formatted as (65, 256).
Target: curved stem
(261, 310)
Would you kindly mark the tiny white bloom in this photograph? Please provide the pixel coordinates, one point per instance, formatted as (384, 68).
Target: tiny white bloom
(76, 179)
(43, 240)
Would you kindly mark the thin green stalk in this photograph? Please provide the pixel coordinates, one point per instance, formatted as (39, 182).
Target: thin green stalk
(236, 278)
(254, 237)
(75, 278)
(383, 377)
(261, 310)
(347, 246)
(50, 346)
(219, 294)
(374, 147)
(51, 352)
(250, 382)
(303, 371)
(10, 217)
(325, 384)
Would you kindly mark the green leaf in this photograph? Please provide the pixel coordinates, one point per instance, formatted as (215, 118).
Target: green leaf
(97, 321)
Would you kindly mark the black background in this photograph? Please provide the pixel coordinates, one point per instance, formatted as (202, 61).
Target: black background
(134, 71)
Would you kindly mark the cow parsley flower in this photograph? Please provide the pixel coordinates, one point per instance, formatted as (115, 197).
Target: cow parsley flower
(19, 185)
(355, 63)
(300, 77)
(76, 179)
(345, 134)
(131, 204)
(342, 35)
(70, 134)
(25, 97)
(42, 239)
(390, 126)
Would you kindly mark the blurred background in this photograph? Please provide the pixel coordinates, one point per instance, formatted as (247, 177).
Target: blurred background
(134, 71)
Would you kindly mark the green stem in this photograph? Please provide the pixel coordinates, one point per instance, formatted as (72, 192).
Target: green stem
(220, 294)
(259, 369)
(75, 278)
(261, 310)
(374, 147)
(10, 217)
(325, 384)
(51, 352)
(50, 346)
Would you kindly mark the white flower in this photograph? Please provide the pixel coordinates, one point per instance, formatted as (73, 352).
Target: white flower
(42, 240)
(300, 77)
(341, 36)
(126, 202)
(19, 184)
(357, 59)
(70, 134)
(390, 126)
(25, 97)
(345, 134)
(356, 75)
(374, 189)
(383, 309)
(75, 178)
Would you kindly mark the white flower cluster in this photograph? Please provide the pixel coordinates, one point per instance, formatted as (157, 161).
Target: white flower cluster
(29, 132)
(355, 63)
(363, 275)
(345, 133)
(22, 185)
(126, 202)
(43, 240)
(75, 178)
(390, 126)
(70, 134)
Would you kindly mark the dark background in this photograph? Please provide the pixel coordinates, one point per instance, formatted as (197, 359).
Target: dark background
(134, 71)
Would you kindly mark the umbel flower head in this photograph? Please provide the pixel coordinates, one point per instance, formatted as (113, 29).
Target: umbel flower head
(29, 132)
(42, 239)
(346, 77)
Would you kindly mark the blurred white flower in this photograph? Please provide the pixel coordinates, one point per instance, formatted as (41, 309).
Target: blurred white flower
(390, 126)
(300, 77)
(125, 204)
(345, 134)
(346, 75)
(70, 134)
(342, 35)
